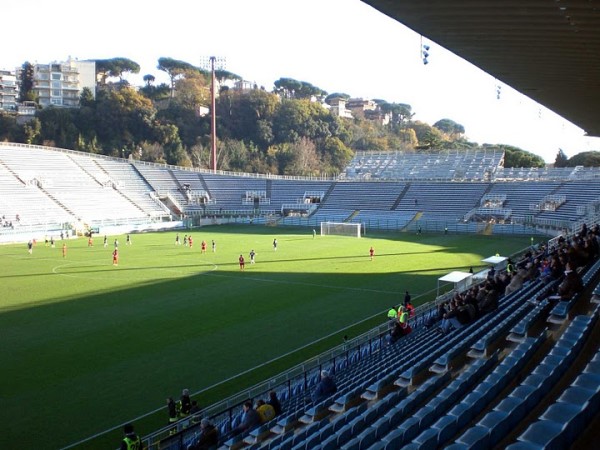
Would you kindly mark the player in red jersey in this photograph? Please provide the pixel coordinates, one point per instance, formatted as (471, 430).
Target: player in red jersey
(242, 262)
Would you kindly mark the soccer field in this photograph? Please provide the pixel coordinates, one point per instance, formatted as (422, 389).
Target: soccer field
(87, 345)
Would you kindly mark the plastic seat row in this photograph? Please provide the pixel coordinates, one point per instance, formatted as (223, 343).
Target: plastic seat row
(566, 419)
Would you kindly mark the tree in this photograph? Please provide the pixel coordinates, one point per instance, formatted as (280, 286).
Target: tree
(290, 88)
(516, 157)
(336, 96)
(174, 69)
(26, 92)
(114, 67)
(586, 159)
(401, 112)
(192, 91)
(562, 159)
(149, 79)
(450, 127)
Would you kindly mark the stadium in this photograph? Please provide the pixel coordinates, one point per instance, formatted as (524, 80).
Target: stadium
(108, 308)
(471, 387)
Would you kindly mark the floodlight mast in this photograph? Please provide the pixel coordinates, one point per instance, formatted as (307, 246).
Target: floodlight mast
(220, 62)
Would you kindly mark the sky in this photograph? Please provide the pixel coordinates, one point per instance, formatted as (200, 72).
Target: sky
(337, 45)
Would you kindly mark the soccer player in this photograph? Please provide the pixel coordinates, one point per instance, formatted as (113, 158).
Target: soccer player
(105, 241)
(314, 233)
(242, 262)
(371, 253)
(252, 255)
(116, 244)
(190, 241)
(115, 256)
(214, 246)
(90, 242)
(30, 247)
(128, 241)
(185, 240)
(52, 241)
(203, 246)
(275, 244)
(177, 242)
(64, 250)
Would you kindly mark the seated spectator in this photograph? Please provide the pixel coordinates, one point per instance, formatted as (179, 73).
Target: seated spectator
(571, 284)
(195, 409)
(395, 332)
(250, 420)
(325, 388)
(209, 437)
(516, 282)
(265, 411)
(437, 316)
(274, 402)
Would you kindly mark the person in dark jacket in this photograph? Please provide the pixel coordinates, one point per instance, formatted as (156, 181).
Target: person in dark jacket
(274, 402)
(251, 419)
(209, 436)
(325, 388)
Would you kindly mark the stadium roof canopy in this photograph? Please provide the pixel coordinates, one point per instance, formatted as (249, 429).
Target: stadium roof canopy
(548, 50)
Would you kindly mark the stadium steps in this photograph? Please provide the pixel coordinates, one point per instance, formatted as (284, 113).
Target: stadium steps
(400, 196)
(417, 216)
(355, 213)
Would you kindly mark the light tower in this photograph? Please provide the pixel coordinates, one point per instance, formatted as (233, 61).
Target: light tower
(214, 63)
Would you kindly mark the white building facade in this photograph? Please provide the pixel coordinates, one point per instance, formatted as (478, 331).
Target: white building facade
(61, 83)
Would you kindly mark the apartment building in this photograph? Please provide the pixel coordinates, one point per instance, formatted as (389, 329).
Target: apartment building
(61, 83)
(8, 90)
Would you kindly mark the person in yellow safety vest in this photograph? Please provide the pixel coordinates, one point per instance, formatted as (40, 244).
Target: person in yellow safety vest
(265, 411)
(172, 409)
(402, 315)
(131, 441)
(392, 313)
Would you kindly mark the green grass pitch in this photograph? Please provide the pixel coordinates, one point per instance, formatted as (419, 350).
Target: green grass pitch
(87, 346)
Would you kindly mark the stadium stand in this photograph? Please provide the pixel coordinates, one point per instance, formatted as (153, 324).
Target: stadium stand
(524, 375)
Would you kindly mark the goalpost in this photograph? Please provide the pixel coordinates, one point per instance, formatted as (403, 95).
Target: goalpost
(342, 229)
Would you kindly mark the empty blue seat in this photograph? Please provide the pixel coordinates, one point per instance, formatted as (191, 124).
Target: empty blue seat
(382, 427)
(366, 438)
(528, 393)
(476, 438)
(427, 440)
(462, 413)
(447, 427)
(393, 441)
(410, 427)
(545, 433)
(498, 424)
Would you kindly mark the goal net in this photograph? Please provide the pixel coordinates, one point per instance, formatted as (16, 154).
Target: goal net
(341, 229)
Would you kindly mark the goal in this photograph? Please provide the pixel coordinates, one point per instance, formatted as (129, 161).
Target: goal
(341, 229)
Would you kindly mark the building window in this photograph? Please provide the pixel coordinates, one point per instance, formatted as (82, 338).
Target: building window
(56, 93)
(56, 76)
(56, 85)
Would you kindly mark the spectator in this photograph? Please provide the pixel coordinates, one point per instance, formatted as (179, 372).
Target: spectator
(186, 403)
(209, 437)
(325, 388)
(131, 441)
(571, 284)
(265, 411)
(171, 410)
(274, 402)
(407, 298)
(250, 420)
(195, 409)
